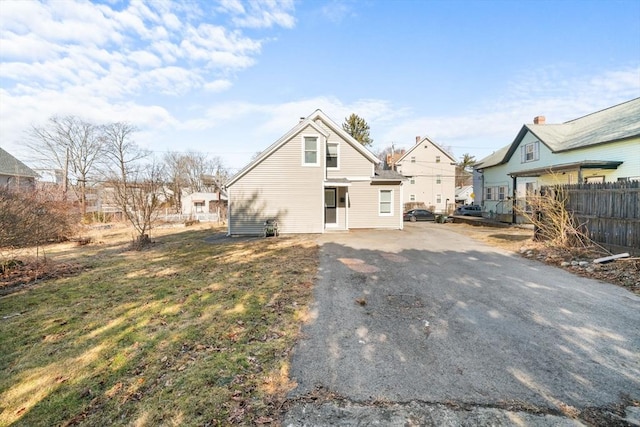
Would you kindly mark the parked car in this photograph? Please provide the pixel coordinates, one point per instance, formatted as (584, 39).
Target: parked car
(469, 210)
(419, 215)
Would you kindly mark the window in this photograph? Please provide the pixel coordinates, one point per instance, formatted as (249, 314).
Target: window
(438, 198)
(332, 155)
(412, 197)
(488, 193)
(438, 179)
(412, 180)
(199, 206)
(310, 147)
(530, 152)
(386, 203)
(502, 192)
(413, 159)
(437, 159)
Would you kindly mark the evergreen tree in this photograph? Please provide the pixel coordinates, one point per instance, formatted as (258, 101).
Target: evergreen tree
(358, 128)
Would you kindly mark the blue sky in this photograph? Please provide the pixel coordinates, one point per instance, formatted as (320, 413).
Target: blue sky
(230, 77)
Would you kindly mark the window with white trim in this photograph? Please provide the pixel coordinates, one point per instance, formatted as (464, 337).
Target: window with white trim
(310, 151)
(198, 206)
(438, 198)
(412, 197)
(412, 180)
(502, 192)
(488, 193)
(437, 159)
(530, 152)
(413, 159)
(385, 203)
(438, 179)
(332, 155)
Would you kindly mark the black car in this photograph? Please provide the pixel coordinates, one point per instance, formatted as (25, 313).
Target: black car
(419, 215)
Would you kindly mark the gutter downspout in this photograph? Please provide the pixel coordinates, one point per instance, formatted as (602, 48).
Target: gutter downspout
(228, 211)
(515, 200)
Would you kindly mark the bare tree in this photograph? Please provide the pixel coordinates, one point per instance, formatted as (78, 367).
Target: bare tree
(136, 183)
(192, 172)
(71, 145)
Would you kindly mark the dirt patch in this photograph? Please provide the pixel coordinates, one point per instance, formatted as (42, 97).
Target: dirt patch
(22, 274)
(623, 272)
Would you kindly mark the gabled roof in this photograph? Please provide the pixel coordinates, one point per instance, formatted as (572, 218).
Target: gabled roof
(445, 152)
(308, 121)
(11, 166)
(612, 124)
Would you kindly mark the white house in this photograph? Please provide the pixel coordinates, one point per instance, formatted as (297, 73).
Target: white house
(601, 147)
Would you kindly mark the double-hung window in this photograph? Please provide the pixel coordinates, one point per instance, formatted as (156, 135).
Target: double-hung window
(530, 152)
(332, 155)
(488, 193)
(310, 147)
(502, 192)
(386, 203)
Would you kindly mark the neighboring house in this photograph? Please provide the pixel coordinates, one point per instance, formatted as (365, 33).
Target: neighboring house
(315, 178)
(392, 158)
(601, 147)
(430, 171)
(464, 195)
(14, 173)
(203, 203)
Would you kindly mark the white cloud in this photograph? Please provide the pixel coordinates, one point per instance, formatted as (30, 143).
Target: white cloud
(261, 14)
(337, 10)
(218, 85)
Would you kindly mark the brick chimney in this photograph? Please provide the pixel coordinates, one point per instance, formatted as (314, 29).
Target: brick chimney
(538, 120)
(418, 138)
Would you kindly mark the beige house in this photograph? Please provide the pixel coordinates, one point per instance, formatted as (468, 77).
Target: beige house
(431, 175)
(315, 178)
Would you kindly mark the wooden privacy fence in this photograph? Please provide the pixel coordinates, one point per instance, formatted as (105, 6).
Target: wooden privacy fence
(609, 212)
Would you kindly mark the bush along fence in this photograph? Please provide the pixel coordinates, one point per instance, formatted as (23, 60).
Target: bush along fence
(609, 213)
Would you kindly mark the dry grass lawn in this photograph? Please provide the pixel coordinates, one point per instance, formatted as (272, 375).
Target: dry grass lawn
(185, 332)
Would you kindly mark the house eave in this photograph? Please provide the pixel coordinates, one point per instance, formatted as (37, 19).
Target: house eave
(567, 167)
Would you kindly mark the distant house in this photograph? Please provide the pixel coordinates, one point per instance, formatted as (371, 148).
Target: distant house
(198, 203)
(601, 147)
(430, 171)
(14, 173)
(464, 195)
(315, 178)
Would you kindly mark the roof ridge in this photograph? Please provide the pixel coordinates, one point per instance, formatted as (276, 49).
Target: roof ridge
(600, 111)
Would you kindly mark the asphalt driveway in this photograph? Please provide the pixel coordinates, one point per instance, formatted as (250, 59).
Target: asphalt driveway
(427, 316)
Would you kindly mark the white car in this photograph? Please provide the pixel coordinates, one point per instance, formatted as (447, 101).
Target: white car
(469, 210)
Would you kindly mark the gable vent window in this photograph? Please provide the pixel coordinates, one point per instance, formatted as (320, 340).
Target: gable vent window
(332, 155)
(310, 150)
(413, 159)
(437, 159)
(530, 152)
